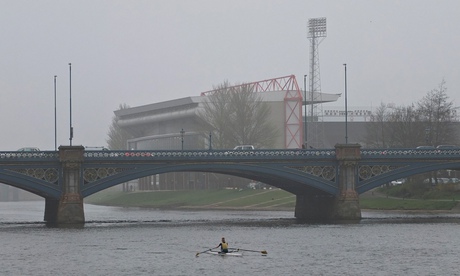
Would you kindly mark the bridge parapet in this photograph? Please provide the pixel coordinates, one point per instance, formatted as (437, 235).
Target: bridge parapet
(261, 153)
(27, 155)
(408, 153)
(211, 154)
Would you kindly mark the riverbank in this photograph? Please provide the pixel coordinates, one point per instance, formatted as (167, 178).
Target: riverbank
(249, 199)
(377, 201)
(272, 199)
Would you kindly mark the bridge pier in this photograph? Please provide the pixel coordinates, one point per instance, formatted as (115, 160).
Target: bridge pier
(69, 208)
(347, 203)
(314, 207)
(345, 206)
(51, 207)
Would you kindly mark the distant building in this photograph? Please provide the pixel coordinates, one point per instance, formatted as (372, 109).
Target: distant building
(166, 125)
(176, 124)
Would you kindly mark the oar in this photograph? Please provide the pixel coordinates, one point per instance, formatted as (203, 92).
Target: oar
(262, 252)
(203, 252)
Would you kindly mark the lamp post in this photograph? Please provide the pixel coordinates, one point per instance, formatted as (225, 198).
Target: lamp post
(55, 116)
(70, 103)
(210, 141)
(427, 135)
(305, 110)
(182, 138)
(346, 106)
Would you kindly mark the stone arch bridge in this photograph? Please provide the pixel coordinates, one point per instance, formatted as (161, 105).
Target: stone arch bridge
(326, 182)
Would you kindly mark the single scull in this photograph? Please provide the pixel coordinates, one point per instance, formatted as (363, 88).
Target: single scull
(231, 253)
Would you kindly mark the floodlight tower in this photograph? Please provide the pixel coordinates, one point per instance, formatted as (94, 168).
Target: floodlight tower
(316, 34)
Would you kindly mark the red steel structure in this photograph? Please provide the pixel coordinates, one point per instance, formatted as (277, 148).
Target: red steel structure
(292, 105)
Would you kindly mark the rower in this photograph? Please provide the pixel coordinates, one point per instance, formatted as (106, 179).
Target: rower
(223, 246)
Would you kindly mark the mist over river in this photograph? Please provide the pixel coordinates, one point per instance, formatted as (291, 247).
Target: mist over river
(137, 241)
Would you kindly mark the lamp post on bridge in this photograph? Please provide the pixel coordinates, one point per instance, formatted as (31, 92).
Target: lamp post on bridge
(427, 136)
(210, 141)
(346, 106)
(55, 116)
(305, 110)
(182, 132)
(70, 103)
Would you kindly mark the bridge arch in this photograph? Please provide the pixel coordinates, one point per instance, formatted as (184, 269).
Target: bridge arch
(31, 184)
(409, 169)
(291, 180)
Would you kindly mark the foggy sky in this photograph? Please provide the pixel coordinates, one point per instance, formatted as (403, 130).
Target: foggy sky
(142, 52)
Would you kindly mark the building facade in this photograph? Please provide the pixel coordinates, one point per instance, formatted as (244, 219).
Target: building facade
(178, 125)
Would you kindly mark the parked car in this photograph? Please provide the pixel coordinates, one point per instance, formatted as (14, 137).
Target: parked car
(256, 185)
(244, 147)
(28, 149)
(31, 152)
(398, 181)
(95, 148)
(425, 147)
(441, 180)
(447, 147)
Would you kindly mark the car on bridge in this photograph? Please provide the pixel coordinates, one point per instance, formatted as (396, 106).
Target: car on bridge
(244, 147)
(29, 149)
(96, 148)
(447, 147)
(30, 152)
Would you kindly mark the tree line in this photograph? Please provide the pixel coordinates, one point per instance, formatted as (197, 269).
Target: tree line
(429, 121)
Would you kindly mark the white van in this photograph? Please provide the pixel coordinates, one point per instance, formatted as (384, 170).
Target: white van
(96, 148)
(244, 147)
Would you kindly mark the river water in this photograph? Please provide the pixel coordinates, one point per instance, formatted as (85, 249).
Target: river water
(136, 241)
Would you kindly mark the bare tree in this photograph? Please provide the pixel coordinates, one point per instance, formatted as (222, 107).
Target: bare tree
(238, 116)
(378, 130)
(117, 137)
(437, 115)
(216, 113)
(429, 122)
(405, 127)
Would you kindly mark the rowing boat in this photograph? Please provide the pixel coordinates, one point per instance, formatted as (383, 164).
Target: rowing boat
(231, 253)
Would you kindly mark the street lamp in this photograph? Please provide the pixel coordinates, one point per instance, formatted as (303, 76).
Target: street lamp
(210, 141)
(427, 135)
(55, 117)
(346, 106)
(305, 109)
(182, 138)
(70, 102)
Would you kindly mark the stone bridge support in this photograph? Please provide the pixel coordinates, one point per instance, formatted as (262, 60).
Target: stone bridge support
(344, 206)
(69, 208)
(347, 203)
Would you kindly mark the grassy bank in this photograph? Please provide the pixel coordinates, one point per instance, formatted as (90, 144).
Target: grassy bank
(253, 199)
(248, 199)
